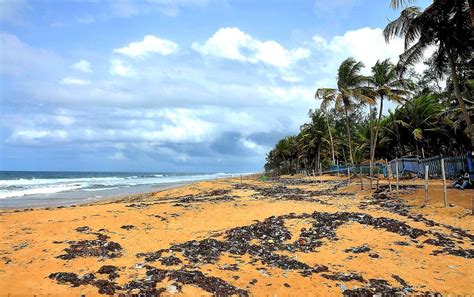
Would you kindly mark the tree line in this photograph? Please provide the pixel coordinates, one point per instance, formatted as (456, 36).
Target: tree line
(429, 119)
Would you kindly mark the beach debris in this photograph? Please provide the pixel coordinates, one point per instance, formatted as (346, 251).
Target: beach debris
(6, 260)
(230, 267)
(172, 289)
(170, 261)
(345, 277)
(20, 246)
(68, 278)
(210, 284)
(110, 270)
(402, 243)
(128, 227)
(83, 229)
(359, 249)
(402, 282)
(99, 247)
(106, 286)
(280, 192)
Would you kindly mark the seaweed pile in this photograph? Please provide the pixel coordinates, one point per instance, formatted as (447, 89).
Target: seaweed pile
(396, 205)
(280, 192)
(99, 247)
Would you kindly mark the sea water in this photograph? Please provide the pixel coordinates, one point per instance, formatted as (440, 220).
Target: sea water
(46, 188)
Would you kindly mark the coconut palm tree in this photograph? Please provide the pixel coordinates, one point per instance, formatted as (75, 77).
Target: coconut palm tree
(398, 3)
(326, 96)
(445, 25)
(351, 89)
(386, 84)
(420, 116)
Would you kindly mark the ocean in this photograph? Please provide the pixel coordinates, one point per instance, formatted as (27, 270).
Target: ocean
(50, 188)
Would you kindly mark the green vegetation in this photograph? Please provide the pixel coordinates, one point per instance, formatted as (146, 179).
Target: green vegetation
(429, 120)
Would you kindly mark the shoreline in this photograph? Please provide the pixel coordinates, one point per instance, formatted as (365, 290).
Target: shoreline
(43, 201)
(87, 201)
(286, 236)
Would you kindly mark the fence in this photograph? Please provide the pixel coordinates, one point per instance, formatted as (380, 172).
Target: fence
(453, 166)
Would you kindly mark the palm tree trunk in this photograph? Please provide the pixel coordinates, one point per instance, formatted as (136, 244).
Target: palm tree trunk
(471, 12)
(457, 92)
(372, 156)
(349, 135)
(319, 157)
(332, 143)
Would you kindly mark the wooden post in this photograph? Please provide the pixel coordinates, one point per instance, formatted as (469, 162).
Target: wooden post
(389, 173)
(377, 179)
(320, 169)
(426, 184)
(396, 171)
(360, 176)
(241, 179)
(337, 167)
(443, 175)
(349, 174)
(370, 174)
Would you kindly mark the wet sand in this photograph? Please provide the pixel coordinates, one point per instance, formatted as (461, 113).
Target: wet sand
(291, 236)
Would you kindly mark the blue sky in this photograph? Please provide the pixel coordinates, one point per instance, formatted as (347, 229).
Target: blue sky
(160, 85)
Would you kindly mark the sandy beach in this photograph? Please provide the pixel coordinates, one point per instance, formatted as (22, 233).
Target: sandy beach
(291, 236)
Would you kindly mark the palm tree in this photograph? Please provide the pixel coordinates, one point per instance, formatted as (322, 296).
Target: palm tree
(350, 87)
(386, 84)
(445, 25)
(326, 96)
(397, 3)
(420, 116)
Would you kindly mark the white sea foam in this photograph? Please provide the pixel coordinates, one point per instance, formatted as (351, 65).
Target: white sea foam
(10, 188)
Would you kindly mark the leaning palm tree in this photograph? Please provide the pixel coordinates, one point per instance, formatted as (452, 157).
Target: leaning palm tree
(326, 96)
(351, 88)
(386, 84)
(445, 25)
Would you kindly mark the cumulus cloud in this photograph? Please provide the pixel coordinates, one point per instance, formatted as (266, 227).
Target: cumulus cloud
(82, 65)
(233, 44)
(120, 68)
(149, 45)
(366, 44)
(74, 81)
(176, 111)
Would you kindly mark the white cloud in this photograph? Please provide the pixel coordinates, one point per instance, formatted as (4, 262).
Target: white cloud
(231, 43)
(253, 146)
(74, 81)
(83, 65)
(150, 44)
(366, 44)
(119, 68)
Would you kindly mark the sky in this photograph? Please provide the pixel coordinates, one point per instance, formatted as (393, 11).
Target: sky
(171, 86)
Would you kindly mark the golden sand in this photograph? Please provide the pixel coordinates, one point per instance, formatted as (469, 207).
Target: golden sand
(32, 240)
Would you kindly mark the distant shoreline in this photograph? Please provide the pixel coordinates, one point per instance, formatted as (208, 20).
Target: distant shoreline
(16, 203)
(45, 190)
